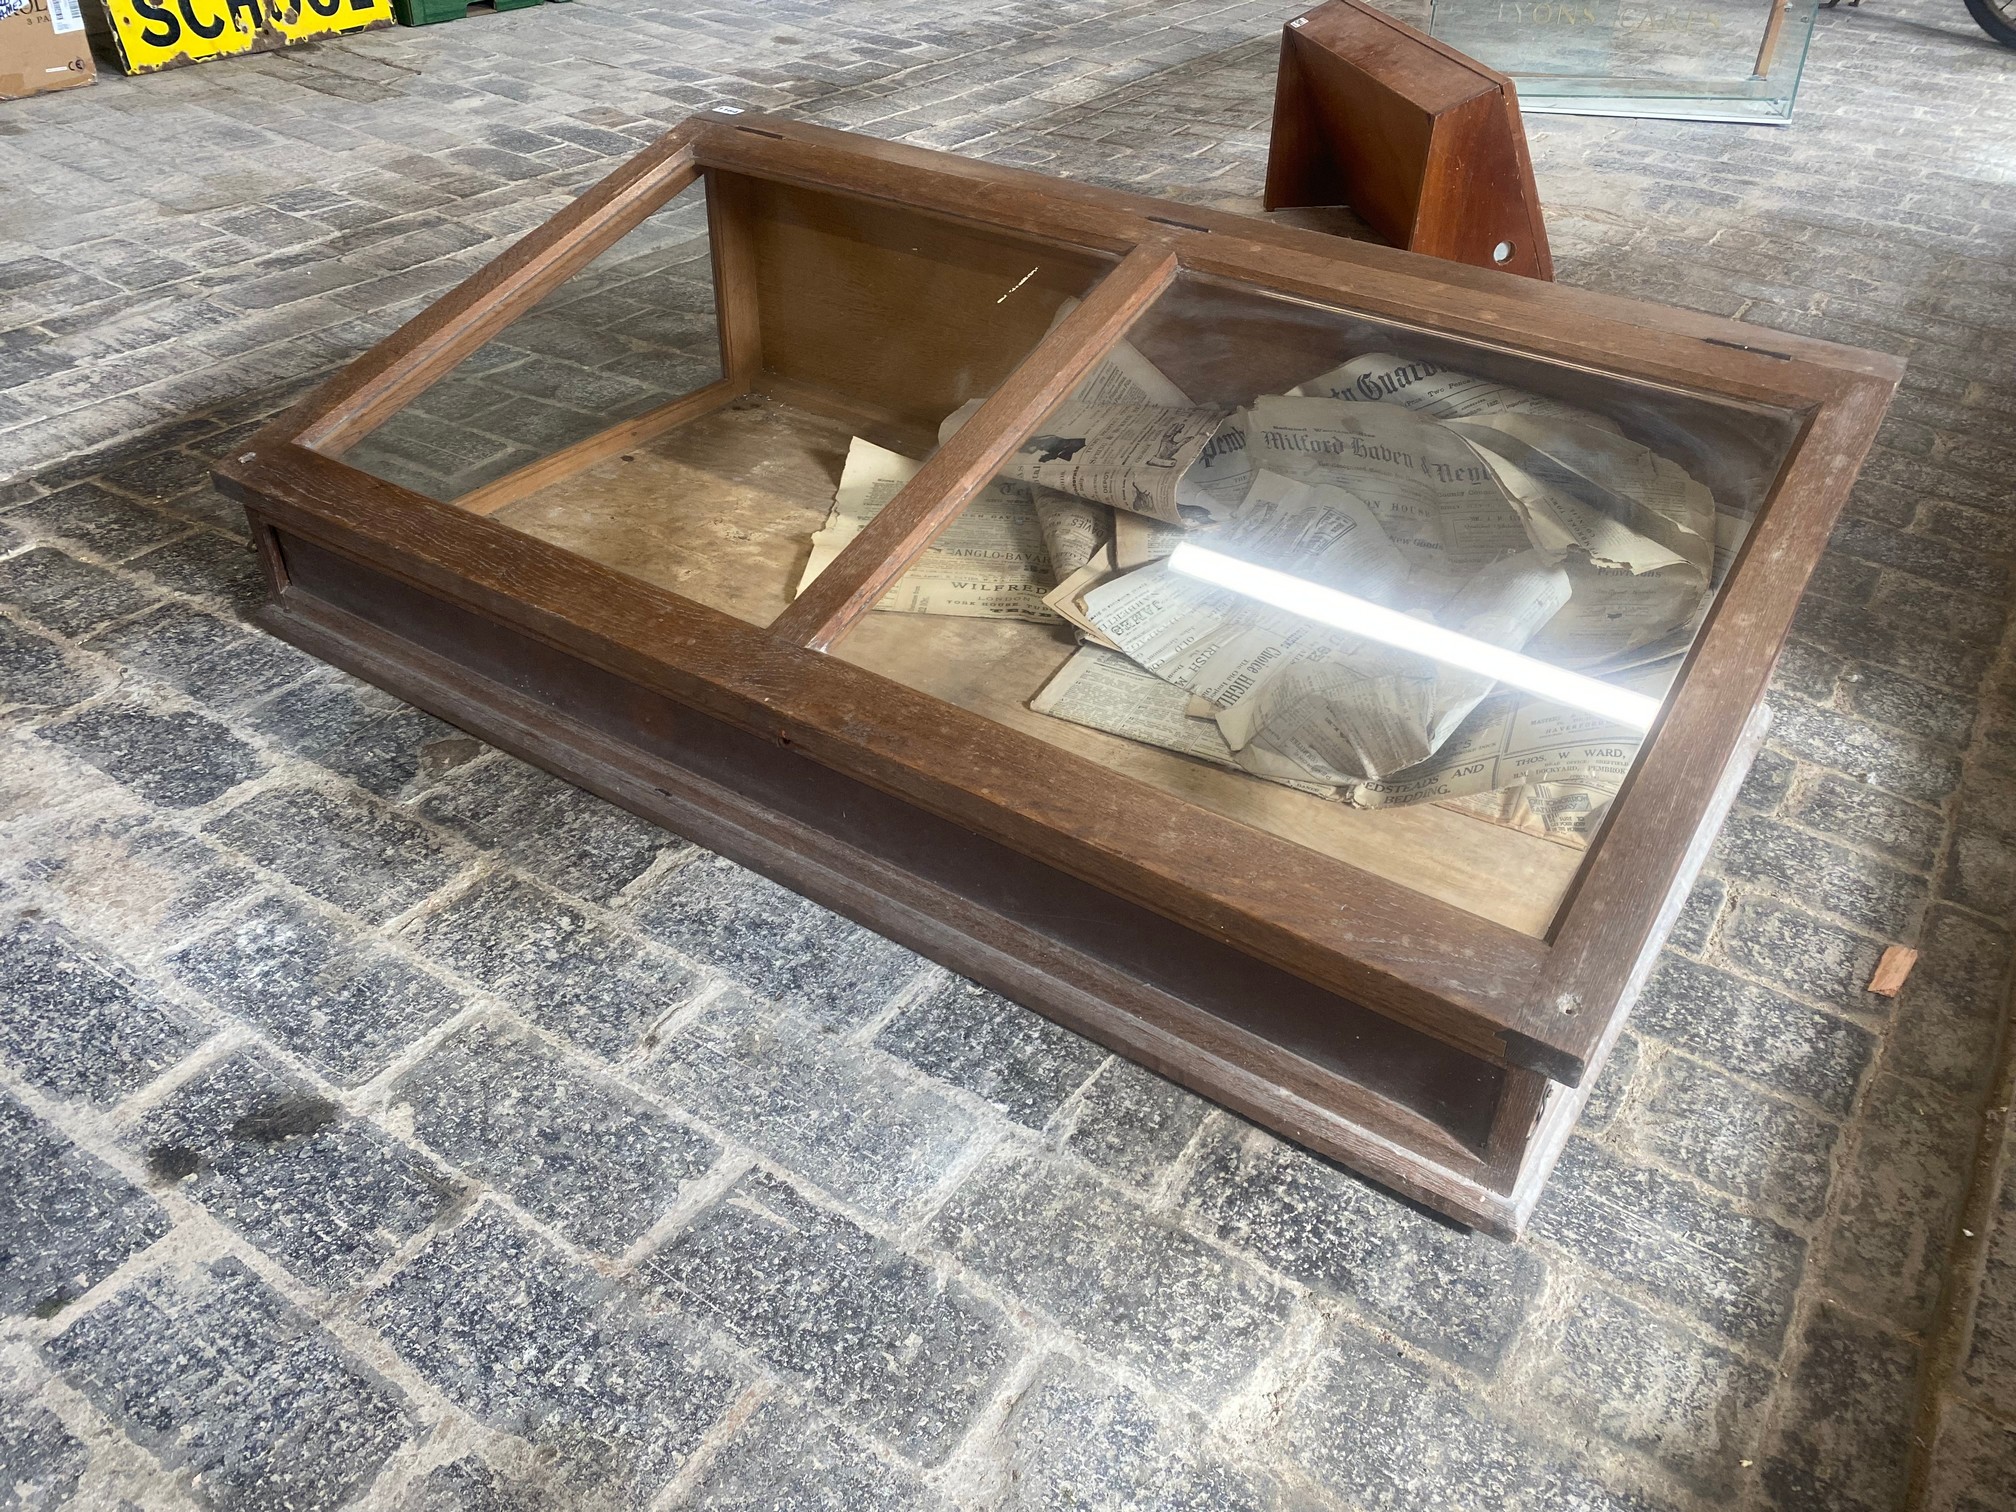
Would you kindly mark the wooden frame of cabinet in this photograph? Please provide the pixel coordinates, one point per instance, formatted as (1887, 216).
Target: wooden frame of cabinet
(1434, 1050)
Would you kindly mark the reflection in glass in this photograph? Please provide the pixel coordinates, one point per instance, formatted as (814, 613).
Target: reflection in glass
(1411, 579)
(1362, 617)
(598, 422)
(630, 332)
(1479, 513)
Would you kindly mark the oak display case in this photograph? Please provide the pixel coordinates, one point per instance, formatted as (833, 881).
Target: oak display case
(569, 508)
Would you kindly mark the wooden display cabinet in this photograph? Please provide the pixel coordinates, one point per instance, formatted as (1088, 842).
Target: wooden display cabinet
(566, 508)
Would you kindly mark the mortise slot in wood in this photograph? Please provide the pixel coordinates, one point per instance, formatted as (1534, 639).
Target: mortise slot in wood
(856, 580)
(1744, 346)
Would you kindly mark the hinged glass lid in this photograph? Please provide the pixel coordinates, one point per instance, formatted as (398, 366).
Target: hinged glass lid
(687, 408)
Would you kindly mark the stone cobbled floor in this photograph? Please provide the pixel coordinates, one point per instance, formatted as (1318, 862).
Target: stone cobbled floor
(384, 1124)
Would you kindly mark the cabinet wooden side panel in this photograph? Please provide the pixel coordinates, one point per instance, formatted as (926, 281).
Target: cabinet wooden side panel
(1374, 138)
(1299, 170)
(731, 238)
(907, 313)
(1477, 194)
(1191, 1007)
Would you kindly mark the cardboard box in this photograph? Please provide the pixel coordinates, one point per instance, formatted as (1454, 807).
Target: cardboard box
(42, 47)
(153, 34)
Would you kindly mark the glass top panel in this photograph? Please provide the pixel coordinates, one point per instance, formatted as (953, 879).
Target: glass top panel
(1704, 59)
(630, 332)
(759, 484)
(1406, 600)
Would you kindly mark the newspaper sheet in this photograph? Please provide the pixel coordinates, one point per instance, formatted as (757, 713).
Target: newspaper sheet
(1104, 690)
(1635, 533)
(1599, 496)
(1577, 489)
(1444, 393)
(1559, 524)
(1129, 456)
(1079, 535)
(1081, 560)
(1613, 612)
(1126, 438)
(1368, 712)
(1731, 529)
(1125, 376)
(1216, 642)
(1073, 530)
(1517, 760)
(990, 562)
(1217, 481)
(1615, 479)
(1525, 762)
(1568, 813)
(1138, 540)
(1511, 739)
(1294, 699)
(1437, 500)
(1067, 599)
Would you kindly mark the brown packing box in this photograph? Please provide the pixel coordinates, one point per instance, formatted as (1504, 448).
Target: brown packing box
(42, 47)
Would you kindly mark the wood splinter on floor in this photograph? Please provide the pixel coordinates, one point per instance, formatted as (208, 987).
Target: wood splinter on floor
(1892, 969)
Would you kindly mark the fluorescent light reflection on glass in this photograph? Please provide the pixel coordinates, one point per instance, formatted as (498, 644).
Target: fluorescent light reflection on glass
(1357, 616)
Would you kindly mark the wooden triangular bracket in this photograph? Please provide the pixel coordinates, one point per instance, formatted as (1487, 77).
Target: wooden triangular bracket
(1424, 144)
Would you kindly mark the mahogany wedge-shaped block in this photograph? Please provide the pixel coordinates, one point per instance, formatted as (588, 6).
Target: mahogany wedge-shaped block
(1424, 144)
(593, 506)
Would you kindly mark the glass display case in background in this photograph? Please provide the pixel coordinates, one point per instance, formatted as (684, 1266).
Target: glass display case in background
(1703, 60)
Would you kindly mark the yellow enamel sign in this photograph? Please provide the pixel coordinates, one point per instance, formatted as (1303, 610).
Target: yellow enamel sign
(159, 33)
